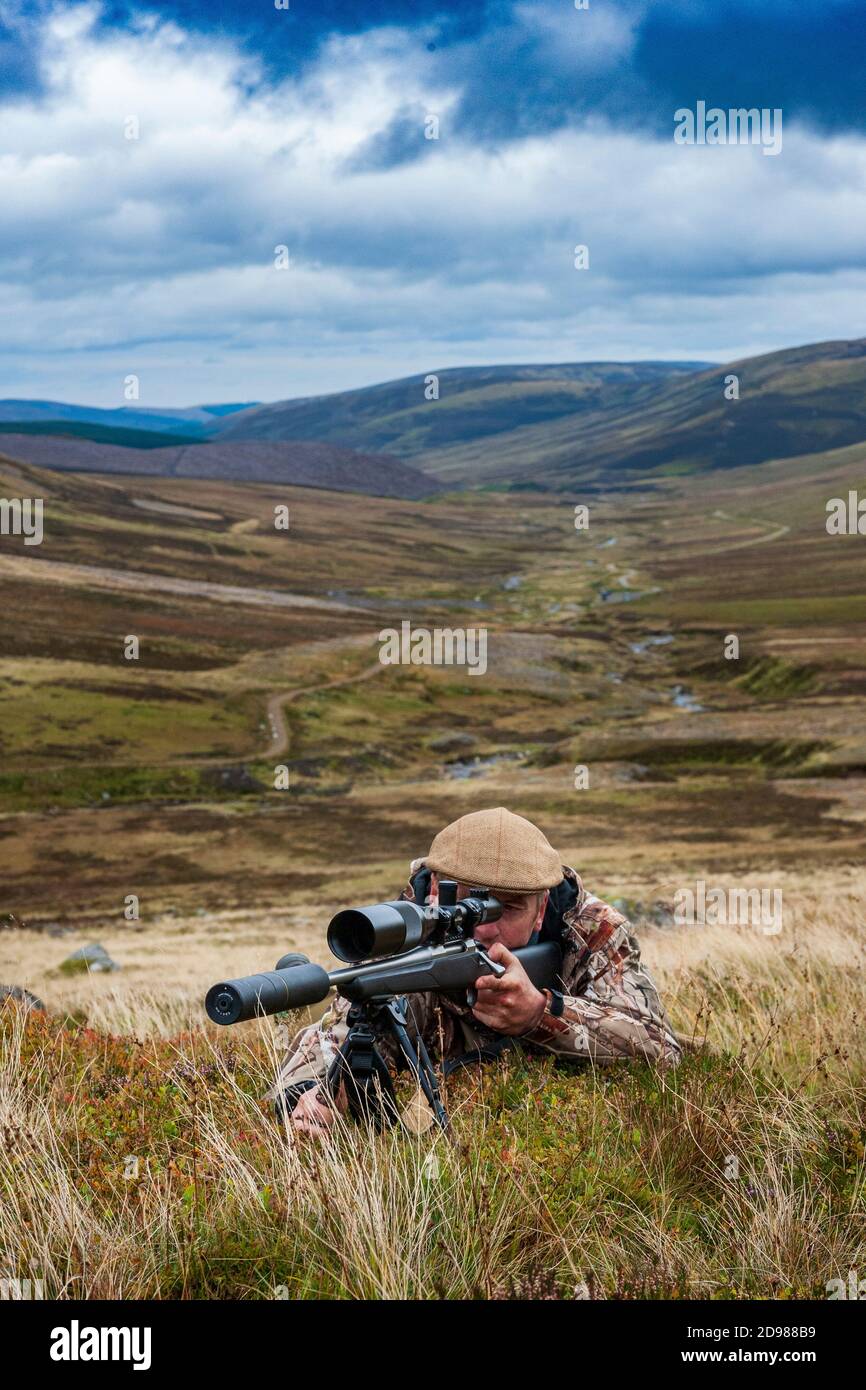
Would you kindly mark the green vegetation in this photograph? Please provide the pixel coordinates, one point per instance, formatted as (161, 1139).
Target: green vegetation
(100, 434)
(475, 404)
(778, 611)
(771, 678)
(710, 755)
(799, 401)
(51, 788)
(65, 721)
(157, 778)
(571, 678)
(736, 1176)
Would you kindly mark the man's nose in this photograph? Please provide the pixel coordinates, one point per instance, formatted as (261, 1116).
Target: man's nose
(487, 933)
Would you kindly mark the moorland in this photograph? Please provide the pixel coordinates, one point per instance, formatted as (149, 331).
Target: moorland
(612, 712)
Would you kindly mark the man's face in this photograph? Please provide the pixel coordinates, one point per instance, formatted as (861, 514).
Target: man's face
(521, 914)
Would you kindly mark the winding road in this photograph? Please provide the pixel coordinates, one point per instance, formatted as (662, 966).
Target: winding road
(277, 720)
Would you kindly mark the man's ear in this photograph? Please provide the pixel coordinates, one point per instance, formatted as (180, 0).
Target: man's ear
(539, 916)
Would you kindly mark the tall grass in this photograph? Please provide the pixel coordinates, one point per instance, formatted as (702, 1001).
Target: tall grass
(138, 1160)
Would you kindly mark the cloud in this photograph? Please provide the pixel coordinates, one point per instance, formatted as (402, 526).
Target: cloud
(402, 141)
(158, 251)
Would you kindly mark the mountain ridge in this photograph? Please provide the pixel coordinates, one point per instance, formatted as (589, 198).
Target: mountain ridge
(542, 425)
(297, 463)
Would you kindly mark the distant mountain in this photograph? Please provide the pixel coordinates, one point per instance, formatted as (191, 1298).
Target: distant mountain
(303, 464)
(195, 421)
(207, 416)
(548, 425)
(473, 403)
(802, 400)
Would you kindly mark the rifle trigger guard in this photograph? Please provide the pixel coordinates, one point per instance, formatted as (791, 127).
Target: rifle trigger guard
(493, 968)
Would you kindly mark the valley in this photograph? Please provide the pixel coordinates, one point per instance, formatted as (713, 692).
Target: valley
(261, 649)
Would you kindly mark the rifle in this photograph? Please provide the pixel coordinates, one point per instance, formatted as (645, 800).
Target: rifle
(391, 950)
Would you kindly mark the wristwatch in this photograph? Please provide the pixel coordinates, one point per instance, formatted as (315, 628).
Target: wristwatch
(555, 1002)
(551, 1021)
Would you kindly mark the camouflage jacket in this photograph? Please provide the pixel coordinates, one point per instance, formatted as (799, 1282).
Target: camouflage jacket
(612, 1008)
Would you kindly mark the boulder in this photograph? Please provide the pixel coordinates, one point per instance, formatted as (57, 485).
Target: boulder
(451, 743)
(56, 929)
(88, 960)
(657, 913)
(23, 996)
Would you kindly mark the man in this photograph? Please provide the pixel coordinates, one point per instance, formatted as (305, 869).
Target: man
(609, 1009)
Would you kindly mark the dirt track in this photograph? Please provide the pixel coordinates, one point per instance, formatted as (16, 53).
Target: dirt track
(95, 576)
(276, 719)
(753, 540)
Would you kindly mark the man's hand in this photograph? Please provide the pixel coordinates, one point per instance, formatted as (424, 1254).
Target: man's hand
(314, 1113)
(510, 1005)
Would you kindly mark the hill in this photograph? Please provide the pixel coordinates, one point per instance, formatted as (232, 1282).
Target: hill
(803, 400)
(258, 654)
(474, 403)
(549, 425)
(304, 464)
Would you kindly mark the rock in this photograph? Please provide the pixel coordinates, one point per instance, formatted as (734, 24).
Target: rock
(23, 996)
(658, 913)
(88, 960)
(661, 914)
(512, 582)
(55, 929)
(451, 743)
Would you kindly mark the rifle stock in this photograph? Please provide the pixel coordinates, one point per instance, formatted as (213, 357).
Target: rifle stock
(442, 968)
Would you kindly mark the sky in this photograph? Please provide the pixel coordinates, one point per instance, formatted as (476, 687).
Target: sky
(154, 157)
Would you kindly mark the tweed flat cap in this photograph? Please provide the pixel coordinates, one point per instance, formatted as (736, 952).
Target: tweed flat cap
(495, 849)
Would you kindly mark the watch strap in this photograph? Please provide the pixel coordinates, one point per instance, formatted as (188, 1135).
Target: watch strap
(551, 1021)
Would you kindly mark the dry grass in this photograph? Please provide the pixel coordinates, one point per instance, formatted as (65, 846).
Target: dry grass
(137, 1159)
(739, 1174)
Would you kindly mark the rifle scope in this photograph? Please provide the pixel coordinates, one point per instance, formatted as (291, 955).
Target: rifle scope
(387, 929)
